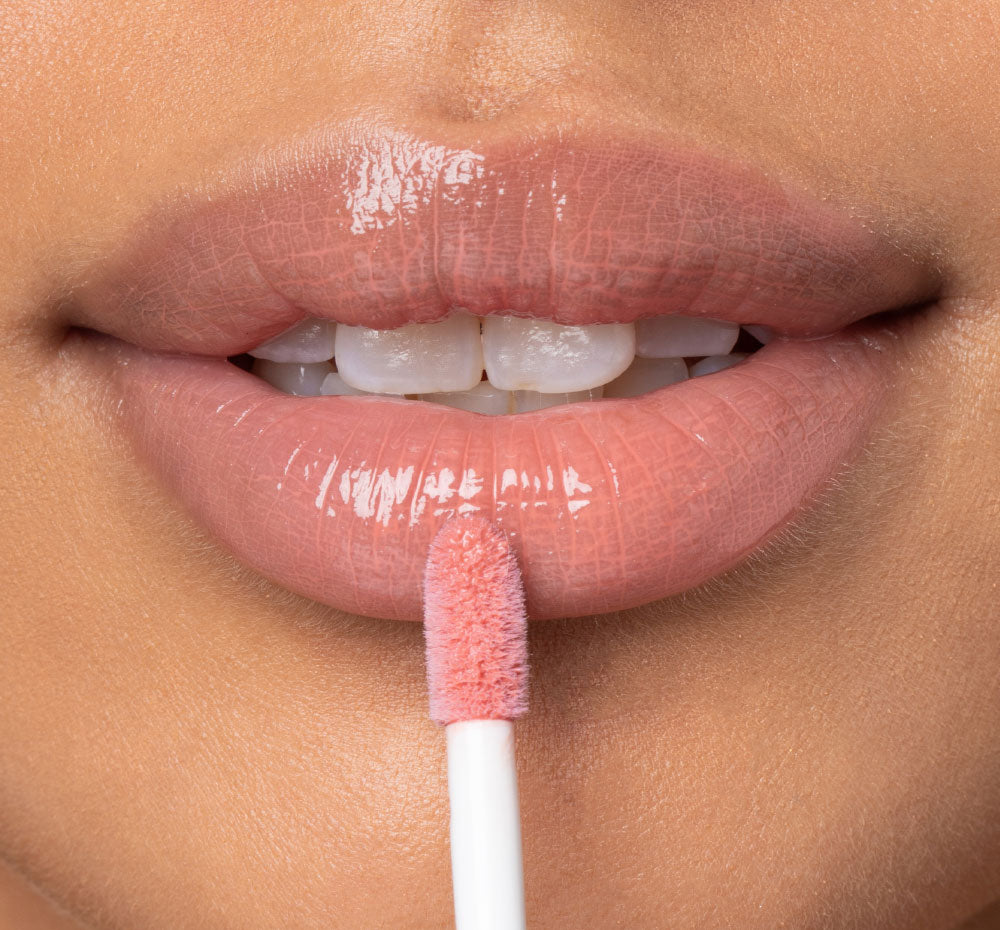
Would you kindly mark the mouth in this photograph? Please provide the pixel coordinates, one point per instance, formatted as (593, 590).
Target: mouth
(640, 360)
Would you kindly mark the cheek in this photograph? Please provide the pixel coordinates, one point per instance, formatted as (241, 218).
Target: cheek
(176, 749)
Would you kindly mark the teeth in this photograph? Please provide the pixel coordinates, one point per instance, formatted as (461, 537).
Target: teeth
(304, 380)
(714, 363)
(483, 398)
(419, 358)
(763, 334)
(683, 336)
(531, 364)
(537, 355)
(335, 386)
(645, 375)
(526, 401)
(308, 341)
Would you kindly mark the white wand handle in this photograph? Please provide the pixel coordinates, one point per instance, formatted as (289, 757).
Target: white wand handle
(486, 868)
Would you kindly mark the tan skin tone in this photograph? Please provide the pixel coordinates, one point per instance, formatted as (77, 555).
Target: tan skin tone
(808, 743)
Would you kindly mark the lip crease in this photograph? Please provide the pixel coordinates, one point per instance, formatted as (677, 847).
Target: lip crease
(609, 504)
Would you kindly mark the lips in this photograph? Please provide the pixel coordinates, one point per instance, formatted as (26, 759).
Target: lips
(610, 503)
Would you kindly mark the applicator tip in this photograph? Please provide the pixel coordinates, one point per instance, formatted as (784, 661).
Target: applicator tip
(474, 624)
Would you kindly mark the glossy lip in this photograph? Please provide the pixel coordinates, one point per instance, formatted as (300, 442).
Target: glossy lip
(610, 504)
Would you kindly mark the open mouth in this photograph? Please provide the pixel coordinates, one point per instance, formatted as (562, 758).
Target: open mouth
(640, 361)
(502, 364)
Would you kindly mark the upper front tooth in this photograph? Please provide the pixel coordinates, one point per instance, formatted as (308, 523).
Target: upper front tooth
(307, 341)
(419, 358)
(680, 336)
(538, 355)
(335, 386)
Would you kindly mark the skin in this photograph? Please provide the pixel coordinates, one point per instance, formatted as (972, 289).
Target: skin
(809, 742)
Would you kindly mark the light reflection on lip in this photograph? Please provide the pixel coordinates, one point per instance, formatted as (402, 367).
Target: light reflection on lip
(389, 229)
(609, 504)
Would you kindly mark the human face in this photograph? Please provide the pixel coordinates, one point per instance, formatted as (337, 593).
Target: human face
(806, 740)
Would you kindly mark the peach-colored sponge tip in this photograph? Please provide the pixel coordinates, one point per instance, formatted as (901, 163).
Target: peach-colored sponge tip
(474, 624)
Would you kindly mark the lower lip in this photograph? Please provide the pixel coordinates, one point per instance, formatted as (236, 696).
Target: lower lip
(609, 504)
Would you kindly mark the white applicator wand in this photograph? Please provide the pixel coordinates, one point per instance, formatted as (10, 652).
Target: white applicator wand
(477, 673)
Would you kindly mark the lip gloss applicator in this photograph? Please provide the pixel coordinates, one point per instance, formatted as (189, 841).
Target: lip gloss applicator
(477, 673)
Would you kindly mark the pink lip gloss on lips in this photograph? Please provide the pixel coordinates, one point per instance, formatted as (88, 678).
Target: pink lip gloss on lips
(612, 503)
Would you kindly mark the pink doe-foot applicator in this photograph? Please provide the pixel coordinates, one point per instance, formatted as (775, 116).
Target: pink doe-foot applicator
(477, 673)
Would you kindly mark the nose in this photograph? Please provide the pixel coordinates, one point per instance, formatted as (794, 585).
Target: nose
(478, 61)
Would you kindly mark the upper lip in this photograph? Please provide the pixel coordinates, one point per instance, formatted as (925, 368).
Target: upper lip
(388, 229)
(610, 504)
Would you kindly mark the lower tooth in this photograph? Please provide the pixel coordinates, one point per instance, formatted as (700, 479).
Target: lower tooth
(335, 386)
(526, 401)
(714, 363)
(292, 378)
(483, 398)
(645, 375)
